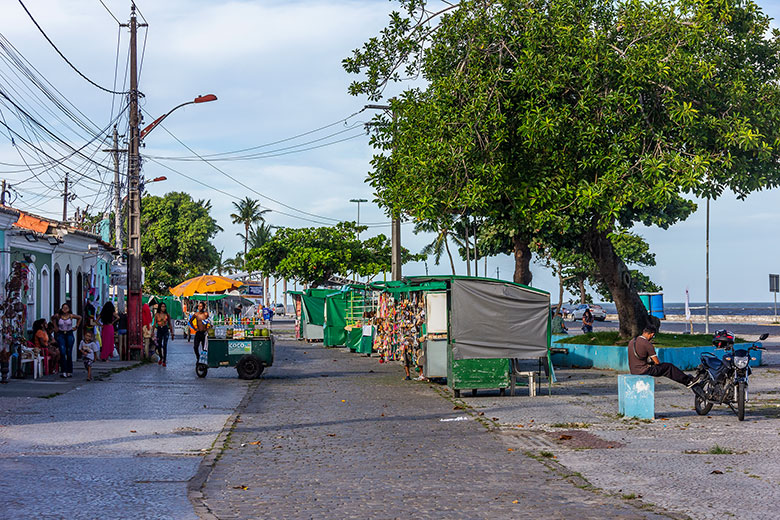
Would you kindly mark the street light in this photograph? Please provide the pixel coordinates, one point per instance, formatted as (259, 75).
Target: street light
(395, 229)
(199, 99)
(358, 219)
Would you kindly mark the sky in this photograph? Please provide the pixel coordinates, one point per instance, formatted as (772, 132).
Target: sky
(276, 68)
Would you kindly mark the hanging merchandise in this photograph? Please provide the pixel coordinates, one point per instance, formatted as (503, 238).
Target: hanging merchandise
(13, 316)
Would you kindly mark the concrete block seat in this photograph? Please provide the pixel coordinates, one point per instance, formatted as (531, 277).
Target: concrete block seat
(636, 396)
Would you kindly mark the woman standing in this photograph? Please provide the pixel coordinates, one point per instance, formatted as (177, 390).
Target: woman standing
(63, 328)
(164, 326)
(108, 317)
(146, 329)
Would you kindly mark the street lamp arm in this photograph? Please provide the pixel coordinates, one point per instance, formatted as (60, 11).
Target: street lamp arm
(199, 99)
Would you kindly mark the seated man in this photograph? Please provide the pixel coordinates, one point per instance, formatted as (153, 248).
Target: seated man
(558, 327)
(642, 360)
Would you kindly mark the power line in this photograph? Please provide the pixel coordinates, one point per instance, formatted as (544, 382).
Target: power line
(63, 56)
(109, 12)
(266, 145)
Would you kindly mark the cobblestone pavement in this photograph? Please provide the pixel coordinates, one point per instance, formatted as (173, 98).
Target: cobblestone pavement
(665, 461)
(120, 448)
(329, 434)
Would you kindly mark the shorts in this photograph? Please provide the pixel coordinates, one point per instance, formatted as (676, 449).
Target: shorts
(88, 362)
(407, 358)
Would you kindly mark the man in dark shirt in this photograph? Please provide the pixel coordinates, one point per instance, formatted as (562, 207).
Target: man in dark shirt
(642, 360)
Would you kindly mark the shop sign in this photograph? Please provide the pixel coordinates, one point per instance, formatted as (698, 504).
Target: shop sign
(239, 347)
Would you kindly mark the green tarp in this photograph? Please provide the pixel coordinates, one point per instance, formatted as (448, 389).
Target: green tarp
(335, 320)
(171, 304)
(313, 305)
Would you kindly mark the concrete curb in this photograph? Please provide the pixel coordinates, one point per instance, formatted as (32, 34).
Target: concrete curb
(198, 481)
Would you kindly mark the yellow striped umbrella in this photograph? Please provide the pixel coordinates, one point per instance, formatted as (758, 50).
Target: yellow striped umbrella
(207, 283)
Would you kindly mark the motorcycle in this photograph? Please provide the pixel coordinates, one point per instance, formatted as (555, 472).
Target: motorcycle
(724, 381)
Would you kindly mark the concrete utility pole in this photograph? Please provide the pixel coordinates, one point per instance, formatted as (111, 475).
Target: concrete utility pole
(135, 341)
(395, 228)
(120, 293)
(65, 199)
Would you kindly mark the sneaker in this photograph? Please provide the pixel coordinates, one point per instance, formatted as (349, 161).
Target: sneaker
(164, 364)
(694, 381)
(159, 362)
(63, 374)
(407, 378)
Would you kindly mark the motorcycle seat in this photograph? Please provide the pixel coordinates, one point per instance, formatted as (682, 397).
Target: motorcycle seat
(712, 362)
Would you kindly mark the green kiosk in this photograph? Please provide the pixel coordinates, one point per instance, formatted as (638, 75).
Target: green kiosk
(313, 313)
(475, 327)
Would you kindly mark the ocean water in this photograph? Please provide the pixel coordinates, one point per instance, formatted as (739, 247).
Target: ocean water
(729, 308)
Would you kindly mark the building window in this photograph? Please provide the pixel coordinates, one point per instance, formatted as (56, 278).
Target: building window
(32, 284)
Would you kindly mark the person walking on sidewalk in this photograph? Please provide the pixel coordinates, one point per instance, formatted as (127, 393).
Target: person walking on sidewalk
(89, 348)
(108, 318)
(164, 327)
(642, 360)
(200, 322)
(64, 327)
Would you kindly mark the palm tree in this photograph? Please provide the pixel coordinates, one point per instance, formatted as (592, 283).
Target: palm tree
(221, 266)
(440, 244)
(235, 264)
(258, 235)
(248, 212)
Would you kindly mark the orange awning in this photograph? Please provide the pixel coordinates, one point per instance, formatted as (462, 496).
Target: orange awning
(34, 224)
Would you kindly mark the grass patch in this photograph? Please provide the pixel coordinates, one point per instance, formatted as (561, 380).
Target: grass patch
(571, 425)
(629, 496)
(661, 339)
(715, 450)
(547, 454)
(55, 394)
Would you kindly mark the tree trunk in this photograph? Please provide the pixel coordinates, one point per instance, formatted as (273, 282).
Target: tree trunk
(468, 251)
(583, 294)
(447, 247)
(265, 292)
(246, 240)
(632, 314)
(522, 261)
(560, 287)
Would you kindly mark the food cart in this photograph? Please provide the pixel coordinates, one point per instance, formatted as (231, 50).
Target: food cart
(244, 344)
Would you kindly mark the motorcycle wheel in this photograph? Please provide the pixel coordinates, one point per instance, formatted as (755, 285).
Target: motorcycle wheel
(703, 406)
(741, 400)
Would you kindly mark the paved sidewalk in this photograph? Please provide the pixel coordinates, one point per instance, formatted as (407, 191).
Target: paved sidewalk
(708, 467)
(329, 434)
(124, 447)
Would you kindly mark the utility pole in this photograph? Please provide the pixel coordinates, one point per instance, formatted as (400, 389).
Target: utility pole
(134, 200)
(65, 199)
(2, 194)
(707, 273)
(120, 293)
(395, 228)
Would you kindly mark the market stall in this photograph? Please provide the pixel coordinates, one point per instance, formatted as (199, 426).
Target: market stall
(463, 328)
(359, 311)
(313, 313)
(334, 320)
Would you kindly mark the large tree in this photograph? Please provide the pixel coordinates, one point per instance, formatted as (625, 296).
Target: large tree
(248, 212)
(566, 120)
(176, 242)
(313, 255)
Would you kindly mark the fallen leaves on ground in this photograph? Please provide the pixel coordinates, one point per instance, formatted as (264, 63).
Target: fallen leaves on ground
(565, 437)
(716, 472)
(241, 487)
(133, 431)
(255, 443)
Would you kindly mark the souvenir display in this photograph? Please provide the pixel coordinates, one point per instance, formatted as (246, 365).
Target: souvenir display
(399, 324)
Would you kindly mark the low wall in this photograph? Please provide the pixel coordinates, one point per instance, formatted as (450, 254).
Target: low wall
(616, 358)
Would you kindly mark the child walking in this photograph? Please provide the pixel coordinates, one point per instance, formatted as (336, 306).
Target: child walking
(88, 348)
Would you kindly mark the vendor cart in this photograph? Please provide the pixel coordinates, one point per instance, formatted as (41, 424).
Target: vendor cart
(250, 356)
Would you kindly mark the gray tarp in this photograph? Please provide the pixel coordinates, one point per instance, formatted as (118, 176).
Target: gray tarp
(497, 320)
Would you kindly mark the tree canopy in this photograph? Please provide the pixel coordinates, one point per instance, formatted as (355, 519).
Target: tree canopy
(566, 120)
(313, 255)
(176, 242)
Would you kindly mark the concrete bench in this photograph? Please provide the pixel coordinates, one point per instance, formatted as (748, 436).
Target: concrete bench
(636, 396)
